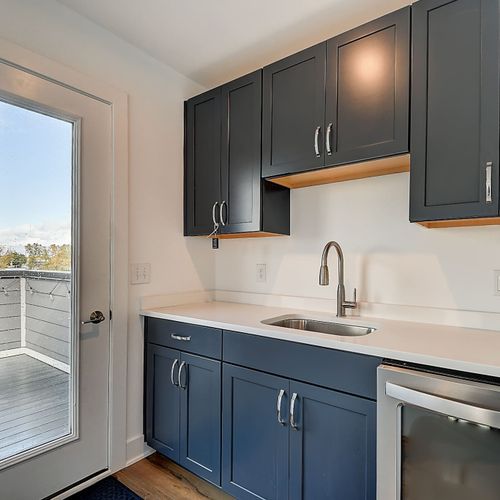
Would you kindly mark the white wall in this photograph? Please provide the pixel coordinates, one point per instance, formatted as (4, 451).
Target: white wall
(388, 259)
(156, 95)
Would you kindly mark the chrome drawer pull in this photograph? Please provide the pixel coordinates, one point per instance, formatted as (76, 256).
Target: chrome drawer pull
(187, 338)
(174, 364)
(278, 407)
(293, 423)
(183, 364)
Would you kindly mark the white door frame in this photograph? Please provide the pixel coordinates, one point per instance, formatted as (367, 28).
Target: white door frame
(118, 100)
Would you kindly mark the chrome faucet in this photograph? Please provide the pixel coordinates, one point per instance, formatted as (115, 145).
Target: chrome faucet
(324, 278)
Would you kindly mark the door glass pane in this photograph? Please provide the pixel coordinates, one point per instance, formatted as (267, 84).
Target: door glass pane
(36, 331)
(448, 459)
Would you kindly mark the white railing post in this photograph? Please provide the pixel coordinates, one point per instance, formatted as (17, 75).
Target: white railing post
(22, 286)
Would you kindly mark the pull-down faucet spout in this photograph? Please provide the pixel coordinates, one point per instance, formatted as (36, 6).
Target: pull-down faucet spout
(324, 278)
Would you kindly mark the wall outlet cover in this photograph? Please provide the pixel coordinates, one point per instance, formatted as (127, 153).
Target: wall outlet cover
(261, 273)
(496, 282)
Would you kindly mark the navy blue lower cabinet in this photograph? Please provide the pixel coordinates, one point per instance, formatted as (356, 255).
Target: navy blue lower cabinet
(332, 445)
(255, 446)
(200, 416)
(162, 400)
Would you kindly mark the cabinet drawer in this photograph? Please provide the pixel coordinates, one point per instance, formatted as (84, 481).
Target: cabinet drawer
(185, 337)
(343, 371)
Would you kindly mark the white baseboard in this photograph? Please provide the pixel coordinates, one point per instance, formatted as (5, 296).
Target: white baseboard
(137, 449)
(36, 355)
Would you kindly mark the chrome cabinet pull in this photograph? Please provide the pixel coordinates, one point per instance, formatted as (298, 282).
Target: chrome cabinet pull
(489, 166)
(316, 141)
(187, 338)
(445, 406)
(214, 213)
(172, 370)
(221, 213)
(329, 139)
(278, 407)
(183, 365)
(293, 423)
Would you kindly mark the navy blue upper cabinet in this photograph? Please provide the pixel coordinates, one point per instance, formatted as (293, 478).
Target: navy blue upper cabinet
(294, 113)
(455, 108)
(367, 91)
(241, 164)
(332, 445)
(223, 181)
(162, 400)
(202, 129)
(200, 416)
(254, 444)
(339, 102)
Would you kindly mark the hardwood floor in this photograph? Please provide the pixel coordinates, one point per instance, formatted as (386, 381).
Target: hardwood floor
(156, 477)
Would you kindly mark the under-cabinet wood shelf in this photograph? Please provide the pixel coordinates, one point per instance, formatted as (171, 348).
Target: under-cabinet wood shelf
(372, 168)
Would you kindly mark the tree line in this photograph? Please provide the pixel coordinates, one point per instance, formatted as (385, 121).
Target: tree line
(36, 256)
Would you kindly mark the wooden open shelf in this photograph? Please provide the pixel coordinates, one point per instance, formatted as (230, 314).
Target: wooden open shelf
(371, 168)
(485, 221)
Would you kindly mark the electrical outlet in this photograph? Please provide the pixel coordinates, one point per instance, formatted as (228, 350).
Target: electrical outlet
(261, 273)
(496, 282)
(140, 273)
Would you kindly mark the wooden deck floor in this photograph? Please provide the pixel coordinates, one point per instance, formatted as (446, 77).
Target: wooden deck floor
(34, 405)
(156, 477)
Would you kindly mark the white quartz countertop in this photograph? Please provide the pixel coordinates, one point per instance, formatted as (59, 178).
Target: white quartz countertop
(465, 349)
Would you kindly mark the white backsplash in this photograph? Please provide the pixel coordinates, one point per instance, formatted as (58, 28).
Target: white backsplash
(433, 275)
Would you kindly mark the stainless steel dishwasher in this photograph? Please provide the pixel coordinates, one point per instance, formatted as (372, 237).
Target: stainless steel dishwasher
(438, 436)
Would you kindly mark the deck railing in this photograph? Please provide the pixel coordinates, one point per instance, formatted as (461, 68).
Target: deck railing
(35, 314)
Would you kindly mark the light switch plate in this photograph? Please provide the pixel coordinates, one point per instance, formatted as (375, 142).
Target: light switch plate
(140, 273)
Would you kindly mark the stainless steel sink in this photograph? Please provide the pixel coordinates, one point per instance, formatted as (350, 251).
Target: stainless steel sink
(314, 325)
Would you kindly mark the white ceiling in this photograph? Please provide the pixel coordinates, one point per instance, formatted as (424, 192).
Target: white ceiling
(213, 41)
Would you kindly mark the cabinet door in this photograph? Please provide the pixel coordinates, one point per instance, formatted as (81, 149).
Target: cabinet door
(294, 112)
(200, 416)
(455, 105)
(332, 445)
(202, 162)
(241, 154)
(162, 400)
(254, 443)
(367, 91)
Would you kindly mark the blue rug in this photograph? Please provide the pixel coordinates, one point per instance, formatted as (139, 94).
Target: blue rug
(107, 489)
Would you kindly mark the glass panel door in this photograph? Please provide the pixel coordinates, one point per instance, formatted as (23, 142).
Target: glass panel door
(448, 459)
(37, 269)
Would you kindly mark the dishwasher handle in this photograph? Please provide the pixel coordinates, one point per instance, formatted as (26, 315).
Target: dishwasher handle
(444, 406)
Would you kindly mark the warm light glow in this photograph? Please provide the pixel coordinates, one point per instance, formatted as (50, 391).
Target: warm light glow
(370, 66)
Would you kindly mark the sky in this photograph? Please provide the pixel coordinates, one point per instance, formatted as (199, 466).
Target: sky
(35, 178)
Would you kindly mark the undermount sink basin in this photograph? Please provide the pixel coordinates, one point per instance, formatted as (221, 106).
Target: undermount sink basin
(314, 325)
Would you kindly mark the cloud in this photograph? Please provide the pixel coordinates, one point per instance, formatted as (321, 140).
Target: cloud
(47, 233)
